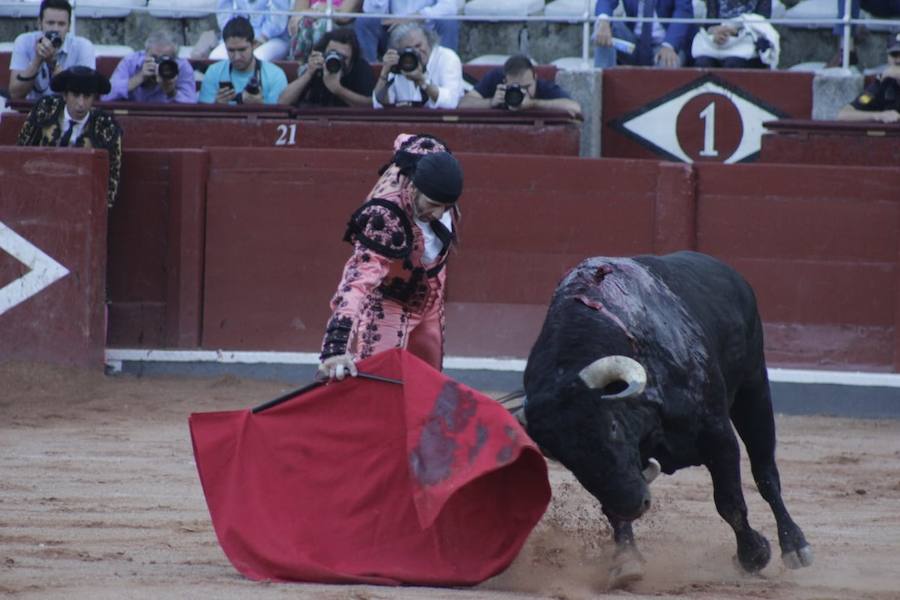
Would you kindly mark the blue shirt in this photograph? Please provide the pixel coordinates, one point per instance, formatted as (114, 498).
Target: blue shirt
(273, 80)
(75, 51)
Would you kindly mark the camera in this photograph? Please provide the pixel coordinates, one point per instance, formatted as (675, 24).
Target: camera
(409, 60)
(252, 86)
(166, 67)
(54, 38)
(514, 96)
(334, 61)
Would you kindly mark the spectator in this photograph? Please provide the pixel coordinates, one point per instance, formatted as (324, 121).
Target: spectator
(880, 101)
(373, 32)
(155, 74)
(652, 42)
(272, 38)
(243, 78)
(39, 55)
(336, 74)
(886, 9)
(744, 40)
(416, 71)
(515, 87)
(71, 120)
(306, 31)
(391, 293)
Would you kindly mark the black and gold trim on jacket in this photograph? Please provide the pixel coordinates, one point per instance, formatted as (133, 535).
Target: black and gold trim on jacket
(44, 128)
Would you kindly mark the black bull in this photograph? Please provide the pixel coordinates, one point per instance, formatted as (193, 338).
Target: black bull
(680, 348)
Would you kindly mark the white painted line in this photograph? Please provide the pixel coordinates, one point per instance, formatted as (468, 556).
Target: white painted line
(835, 377)
(116, 356)
(42, 269)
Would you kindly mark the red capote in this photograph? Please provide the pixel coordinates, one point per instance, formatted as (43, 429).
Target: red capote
(360, 481)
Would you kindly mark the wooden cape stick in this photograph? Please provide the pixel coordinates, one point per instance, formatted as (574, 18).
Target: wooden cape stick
(318, 383)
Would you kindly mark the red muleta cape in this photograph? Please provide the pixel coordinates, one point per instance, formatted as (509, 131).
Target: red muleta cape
(427, 483)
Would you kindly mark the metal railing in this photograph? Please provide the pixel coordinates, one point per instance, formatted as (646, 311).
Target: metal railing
(586, 19)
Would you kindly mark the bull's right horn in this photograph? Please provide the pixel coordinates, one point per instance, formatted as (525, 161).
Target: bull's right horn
(608, 369)
(651, 471)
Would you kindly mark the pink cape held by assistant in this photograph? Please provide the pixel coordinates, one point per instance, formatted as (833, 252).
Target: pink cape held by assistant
(428, 482)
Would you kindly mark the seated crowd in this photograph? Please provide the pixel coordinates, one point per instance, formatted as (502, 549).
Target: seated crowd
(419, 65)
(418, 61)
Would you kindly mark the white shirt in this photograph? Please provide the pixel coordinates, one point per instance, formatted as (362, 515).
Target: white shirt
(444, 69)
(426, 8)
(433, 243)
(75, 51)
(76, 129)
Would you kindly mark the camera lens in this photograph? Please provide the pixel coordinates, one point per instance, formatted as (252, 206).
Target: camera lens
(334, 62)
(409, 60)
(55, 39)
(514, 96)
(252, 86)
(167, 67)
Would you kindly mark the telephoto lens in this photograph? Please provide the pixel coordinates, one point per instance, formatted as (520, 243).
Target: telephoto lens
(409, 60)
(514, 96)
(334, 62)
(167, 67)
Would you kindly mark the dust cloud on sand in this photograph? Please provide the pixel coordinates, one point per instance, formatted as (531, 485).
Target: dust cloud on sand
(99, 498)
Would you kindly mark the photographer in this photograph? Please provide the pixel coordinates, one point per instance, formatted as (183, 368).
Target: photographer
(155, 74)
(335, 74)
(516, 87)
(416, 71)
(38, 55)
(243, 78)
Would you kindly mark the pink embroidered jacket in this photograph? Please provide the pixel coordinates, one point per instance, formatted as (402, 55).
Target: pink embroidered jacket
(388, 247)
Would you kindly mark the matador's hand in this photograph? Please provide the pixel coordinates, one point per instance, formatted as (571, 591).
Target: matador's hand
(336, 367)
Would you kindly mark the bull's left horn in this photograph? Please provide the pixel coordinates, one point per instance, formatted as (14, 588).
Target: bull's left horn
(651, 471)
(608, 369)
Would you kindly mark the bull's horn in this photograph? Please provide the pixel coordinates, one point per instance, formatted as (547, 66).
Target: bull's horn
(651, 471)
(604, 371)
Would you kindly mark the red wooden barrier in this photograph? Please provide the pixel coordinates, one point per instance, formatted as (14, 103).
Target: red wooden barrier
(156, 249)
(225, 248)
(820, 246)
(53, 255)
(831, 143)
(466, 131)
(827, 298)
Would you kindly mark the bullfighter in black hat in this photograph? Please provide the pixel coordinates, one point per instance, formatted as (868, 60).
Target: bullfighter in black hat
(391, 294)
(70, 119)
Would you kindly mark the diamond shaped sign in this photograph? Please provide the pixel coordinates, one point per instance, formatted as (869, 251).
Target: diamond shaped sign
(706, 120)
(43, 271)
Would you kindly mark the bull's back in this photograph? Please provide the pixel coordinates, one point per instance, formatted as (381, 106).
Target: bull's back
(683, 315)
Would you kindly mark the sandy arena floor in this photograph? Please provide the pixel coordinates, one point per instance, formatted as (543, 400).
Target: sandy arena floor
(99, 498)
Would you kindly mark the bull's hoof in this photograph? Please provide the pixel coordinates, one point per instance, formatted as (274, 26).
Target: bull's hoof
(798, 558)
(627, 568)
(754, 552)
(624, 575)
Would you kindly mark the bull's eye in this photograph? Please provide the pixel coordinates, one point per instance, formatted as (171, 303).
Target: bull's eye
(613, 429)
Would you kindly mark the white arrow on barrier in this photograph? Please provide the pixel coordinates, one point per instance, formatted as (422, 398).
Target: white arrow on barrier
(43, 270)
